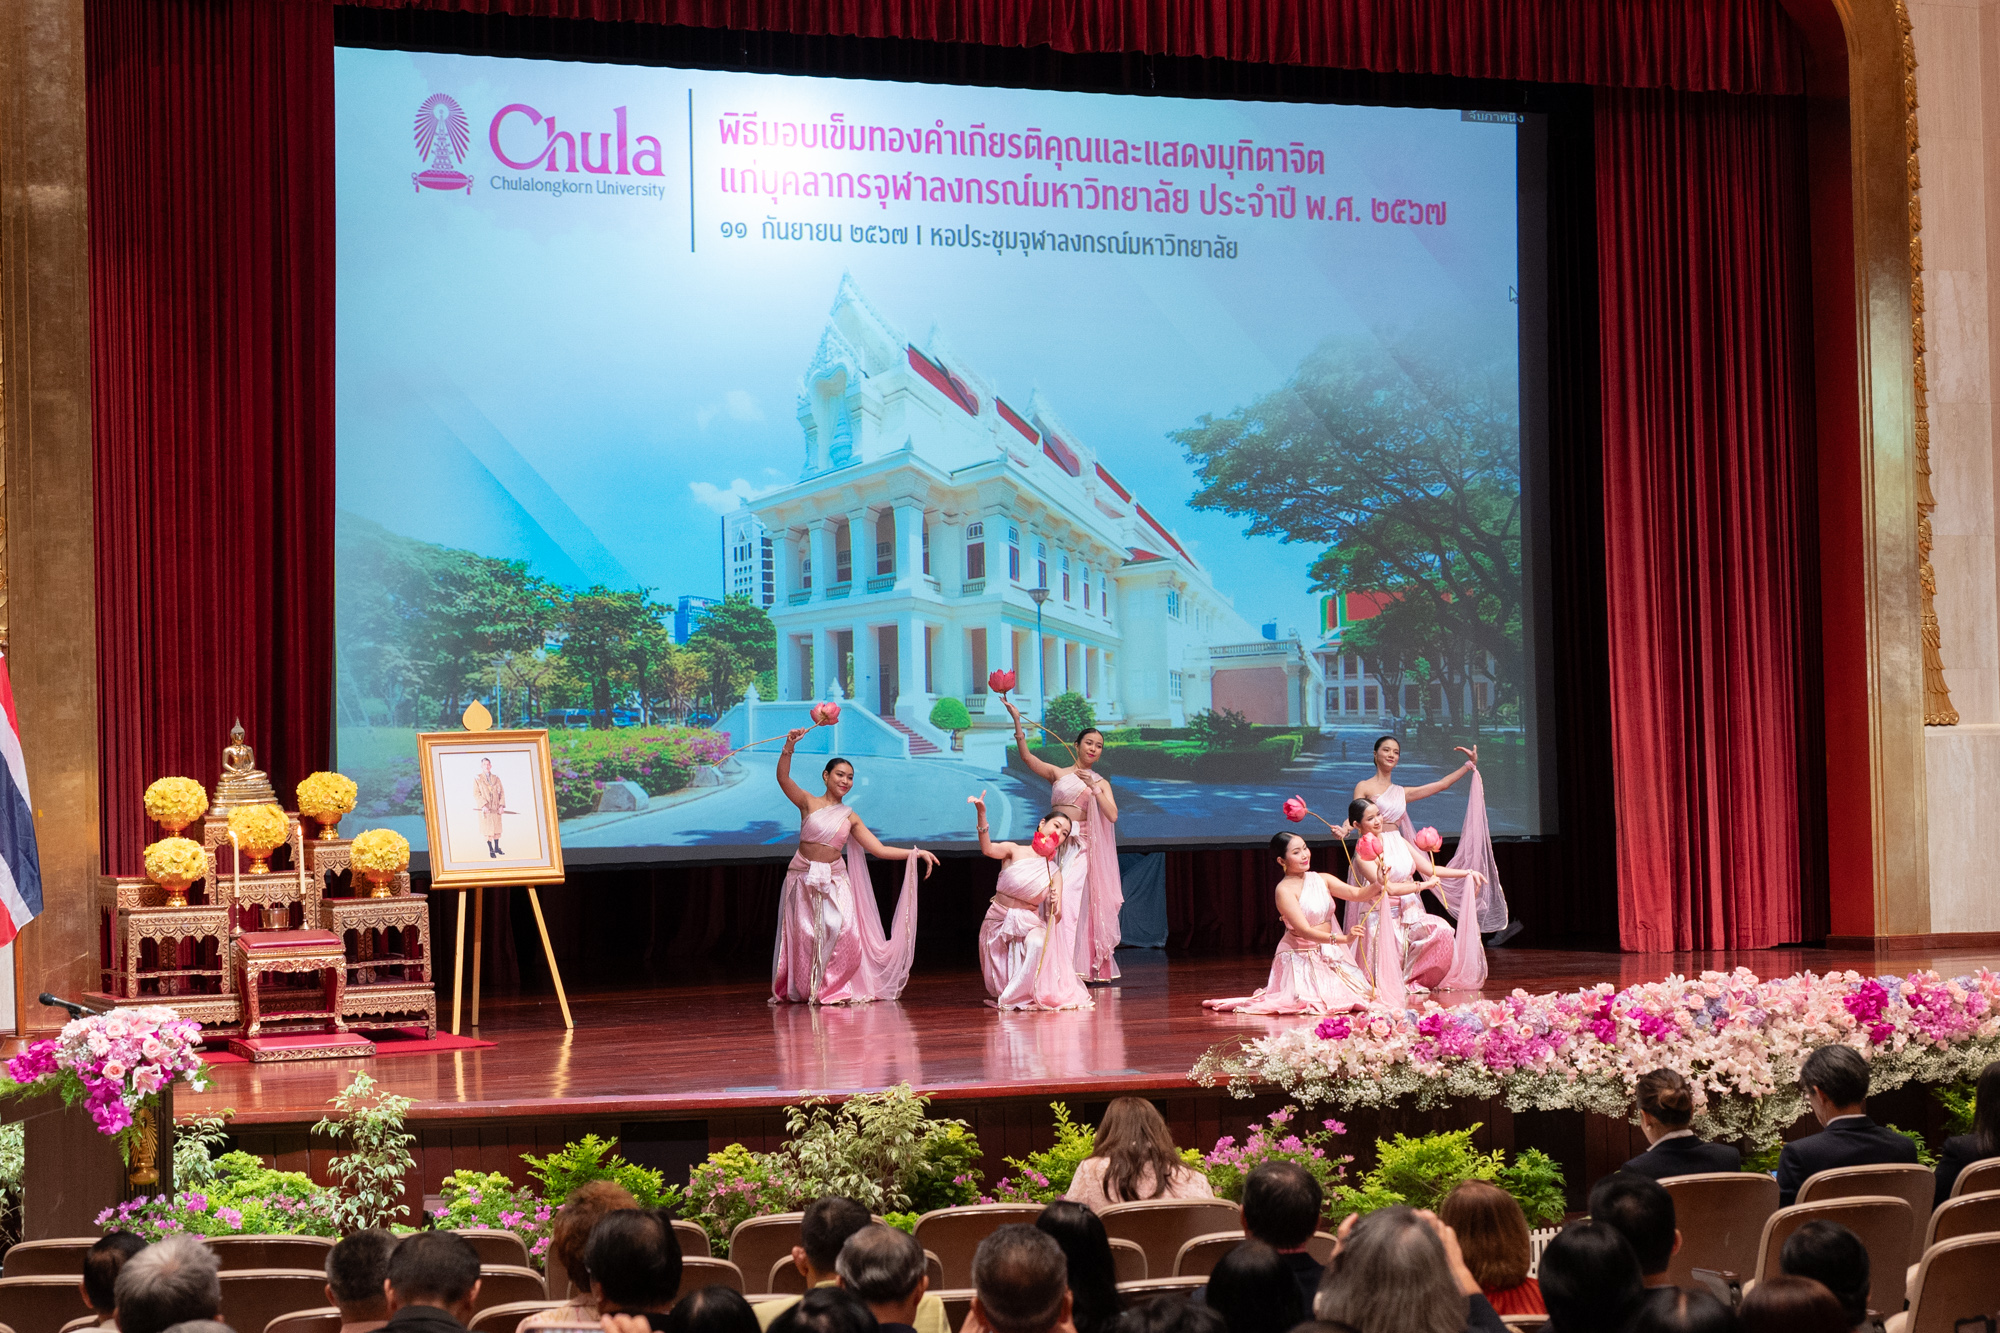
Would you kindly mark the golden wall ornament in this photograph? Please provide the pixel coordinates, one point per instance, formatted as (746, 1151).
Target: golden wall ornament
(1938, 711)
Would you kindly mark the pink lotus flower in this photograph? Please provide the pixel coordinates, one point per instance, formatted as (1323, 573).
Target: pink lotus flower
(825, 714)
(1045, 844)
(1429, 840)
(1368, 848)
(1001, 681)
(1295, 809)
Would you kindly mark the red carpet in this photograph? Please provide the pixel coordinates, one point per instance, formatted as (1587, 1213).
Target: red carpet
(402, 1041)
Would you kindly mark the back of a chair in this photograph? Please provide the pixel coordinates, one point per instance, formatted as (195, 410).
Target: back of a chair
(933, 1270)
(759, 1240)
(1199, 1256)
(325, 1319)
(784, 1279)
(1881, 1222)
(1128, 1261)
(694, 1241)
(1721, 1216)
(957, 1305)
(1320, 1246)
(292, 1252)
(1955, 1283)
(41, 1302)
(703, 1272)
(1915, 1185)
(502, 1284)
(82, 1322)
(1964, 1215)
(504, 1318)
(1162, 1226)
(496, 1247)
(1135, 1294)
(47, 1258)
(1524, 1321)
(1981, 1176)
(253, 1297)
(954, 1233)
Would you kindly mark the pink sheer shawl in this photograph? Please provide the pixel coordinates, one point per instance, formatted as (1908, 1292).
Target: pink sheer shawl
(1474, 909)
(885, 955)
(1097, 933)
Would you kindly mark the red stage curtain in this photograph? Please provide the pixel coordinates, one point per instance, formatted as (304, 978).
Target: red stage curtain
(1704, 326)
(211, 306)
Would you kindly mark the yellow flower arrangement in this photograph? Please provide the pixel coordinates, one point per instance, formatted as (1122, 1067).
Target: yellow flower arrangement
(260, 826)
(178, 859)
(176, 802)
(380, 850)
(327, 796)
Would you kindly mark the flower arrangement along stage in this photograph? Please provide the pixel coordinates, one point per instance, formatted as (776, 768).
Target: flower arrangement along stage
(1738, 1040)
(114, 1064)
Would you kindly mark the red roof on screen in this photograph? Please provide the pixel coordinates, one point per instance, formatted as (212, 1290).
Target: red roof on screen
(950, 385)
(1112, 482)
(1154, 524)
(1013, 418)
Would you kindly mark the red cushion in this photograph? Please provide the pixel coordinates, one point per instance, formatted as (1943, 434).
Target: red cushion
(288, 939)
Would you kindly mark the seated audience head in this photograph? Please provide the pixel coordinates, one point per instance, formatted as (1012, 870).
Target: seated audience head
(712, 1310)
(885, 1268)
(1020, 1281)
(1172, 1314)
(101, 1263)
(1255, 1291)
(1834, 1257)
(168, 1283)
(1787, 1304)
(1093, 1272)
(1643, 1212)
(1590, 1279)
(570, 1231)
(1986, 1111)
(201, 1326)
(356, 1271)
(1835, 1081)
(1281, 1203)
(1391, 1275)
(1140, 1160)
(823, 1231)
(826, 1310)
(1492, 1233)
(1666, 1103)
(635, 1262)
(1674, 1310)
(435, 1268)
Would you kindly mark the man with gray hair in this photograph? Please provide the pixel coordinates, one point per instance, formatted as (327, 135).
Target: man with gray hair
(1020, 1284)
(168, 1283)
(885, 1268)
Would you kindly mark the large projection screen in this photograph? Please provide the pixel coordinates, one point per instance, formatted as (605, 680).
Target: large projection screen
(671, 401)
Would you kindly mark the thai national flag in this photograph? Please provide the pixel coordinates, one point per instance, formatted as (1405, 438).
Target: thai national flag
(20, 866)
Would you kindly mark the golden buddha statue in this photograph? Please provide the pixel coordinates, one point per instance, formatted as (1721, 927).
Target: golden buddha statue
(242, 782)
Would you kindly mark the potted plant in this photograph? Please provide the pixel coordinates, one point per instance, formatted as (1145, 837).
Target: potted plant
(949, 714)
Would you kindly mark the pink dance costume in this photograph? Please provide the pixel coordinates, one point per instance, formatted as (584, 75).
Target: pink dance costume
(1098, 890)
(1024, 955)
(831, 945)
(1427, 950)
(1307, 977)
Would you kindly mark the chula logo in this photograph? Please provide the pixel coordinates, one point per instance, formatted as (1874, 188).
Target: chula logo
(443, 136)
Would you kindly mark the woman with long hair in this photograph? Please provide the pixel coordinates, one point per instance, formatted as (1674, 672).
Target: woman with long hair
(1398, 1270)
(1475, 843)
(1666, 1107)
(1093, 1273)
(1314, 971)
(1078, 791)
(1493, 1236)
(831, 946)
(1024, 942)
(1134, 1158)
(1403, 947)
(1962, 1150)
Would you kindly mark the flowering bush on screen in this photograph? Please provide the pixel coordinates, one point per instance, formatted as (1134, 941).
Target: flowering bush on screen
(112, 1064)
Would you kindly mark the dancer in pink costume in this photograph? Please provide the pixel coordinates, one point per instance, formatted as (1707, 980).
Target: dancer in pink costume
(1314, 971)
(1405, 948)
(1086, 798)
(831, 945)
(1027, 940)
(1475, 846)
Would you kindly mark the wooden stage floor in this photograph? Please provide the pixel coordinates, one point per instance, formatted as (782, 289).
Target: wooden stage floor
(701, 1050)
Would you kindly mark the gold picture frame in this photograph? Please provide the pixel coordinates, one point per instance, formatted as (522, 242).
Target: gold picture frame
(458, 818)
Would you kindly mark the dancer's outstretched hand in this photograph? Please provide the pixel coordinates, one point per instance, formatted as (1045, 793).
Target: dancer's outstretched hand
(793, 736)
(1472, 754)
(930, 861)
(978, 801)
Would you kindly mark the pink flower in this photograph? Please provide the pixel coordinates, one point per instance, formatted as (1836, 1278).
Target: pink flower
(1045, 844)
(114, 1071)
(1368, 848)
(825, 714)
(1429, 840)
(1295, 809)
(1001, 681)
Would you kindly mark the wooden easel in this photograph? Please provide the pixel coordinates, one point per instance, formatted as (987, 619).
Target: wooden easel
(478, 896)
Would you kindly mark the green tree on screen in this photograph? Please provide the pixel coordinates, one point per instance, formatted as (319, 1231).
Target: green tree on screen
(602, 625)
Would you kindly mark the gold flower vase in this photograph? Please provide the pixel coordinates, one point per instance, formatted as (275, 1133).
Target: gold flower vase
(177, 888)
(173, 830)
(381, 883)
(329, 828)
(260, 859)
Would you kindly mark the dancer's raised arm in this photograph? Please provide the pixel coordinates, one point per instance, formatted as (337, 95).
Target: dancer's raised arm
(793, 791)
(999, 851)
(1433, 788)
(881, 851)
(1040, 767)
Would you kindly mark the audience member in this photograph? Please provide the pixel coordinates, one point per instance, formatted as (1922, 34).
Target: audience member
(201, 1326)
(1133, 1157)
(433, 1282)
(1835, 1081)
(1093, 1272)
(823, 1232)
(1642, 1211)
(1281, 1203)
(167, 1283)
(1020, 1284)
(357, 1270)
(568, 1234)
(1590, 1279)
(1676, 1311)
(101, 1263)
(1493, 1236)
(1255, 1290)
(1962, 1150)
(1172, 1314)
(885, 1268)
(1787, 1304)
(711, 1310)
(634, 1259)
(1397, 1270)
(1834, 1257)
(824, 1310)
(1666, 1105)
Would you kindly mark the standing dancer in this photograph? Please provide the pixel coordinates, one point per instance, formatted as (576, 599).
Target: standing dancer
(1086, 798)
(1424, 952)
(831, 946)
(1026, 941)
(1314, 971)
(1475, 846)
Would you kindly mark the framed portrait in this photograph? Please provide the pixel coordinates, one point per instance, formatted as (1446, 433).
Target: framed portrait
(490, 808)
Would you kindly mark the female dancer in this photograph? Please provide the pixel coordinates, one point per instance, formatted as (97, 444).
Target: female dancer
(1314, 971)
(831, 946)
(1401, 939)
(1026, 942)
(1475, 847)
(1086, 798)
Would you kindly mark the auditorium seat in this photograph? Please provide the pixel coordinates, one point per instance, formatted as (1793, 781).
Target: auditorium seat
(1914, 1184)
(1128, 1261)
(1721, 1215)
(1162, 1226)
(501, 1284)
(785, 1279)
(1961, 1215)
(1199, 1256)
(954, 1233)
(495, 1246)
(326, 1319)
(47, 1258)
(1981, 1176)
(1320, 1246)
(1882, 1223)
(1135, 1294)
(694, 1241)
(500, 1318)
(1524, 1321)
(758, 1240)
(91, 1321)
(957, 1304)
(271, 1252)
(41, 1302)
(1955, 1286)
(699, 1273)
(253, 1297)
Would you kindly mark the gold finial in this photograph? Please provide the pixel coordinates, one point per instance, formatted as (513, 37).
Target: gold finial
(476, 717)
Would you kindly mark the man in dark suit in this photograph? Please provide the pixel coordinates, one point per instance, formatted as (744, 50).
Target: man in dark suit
(1835, 1081)
(1281, 1203)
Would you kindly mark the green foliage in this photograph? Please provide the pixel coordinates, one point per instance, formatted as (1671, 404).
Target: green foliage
(241, 1196)
(1284, 748)
(1278, 1139)
(593, 1158)
(1044, 1177)
(489, 1199)
(13, 1140)
(1763, 1161)
(196, 1138)
(1221, 731)
(1958, 1101)
(1421, 1171)
(949, 714)
(902, 1221)
(1537, 1184)
(659, 759)
(1067, 714)
(374, 1168)
(1925, 1156)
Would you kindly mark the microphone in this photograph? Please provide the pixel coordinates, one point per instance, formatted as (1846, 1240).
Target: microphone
(56, 1002)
